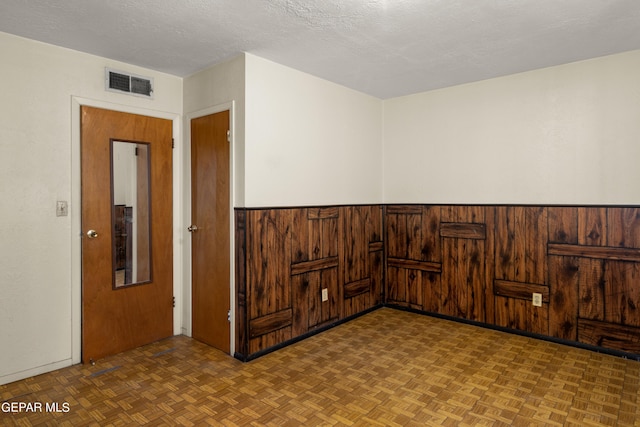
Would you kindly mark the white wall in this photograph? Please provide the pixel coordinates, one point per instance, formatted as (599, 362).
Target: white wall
(221, 85)
(309, 141)
(562, 135)
(39, 259)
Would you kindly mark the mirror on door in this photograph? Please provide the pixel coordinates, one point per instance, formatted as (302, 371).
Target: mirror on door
(131, 216)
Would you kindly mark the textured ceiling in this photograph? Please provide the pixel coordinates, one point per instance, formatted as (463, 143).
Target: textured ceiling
(386, 48)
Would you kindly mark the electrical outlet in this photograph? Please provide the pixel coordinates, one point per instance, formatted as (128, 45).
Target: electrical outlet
(537, 300)
(325, 294)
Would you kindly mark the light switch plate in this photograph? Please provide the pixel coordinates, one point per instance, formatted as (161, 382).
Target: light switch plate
(62, 208)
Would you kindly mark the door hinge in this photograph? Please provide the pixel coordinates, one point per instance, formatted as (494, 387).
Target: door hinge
(228, 136)
(229, 316)
(174, 302)
(173, 143)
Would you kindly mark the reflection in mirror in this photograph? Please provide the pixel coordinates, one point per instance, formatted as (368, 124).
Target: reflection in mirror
(131, 213)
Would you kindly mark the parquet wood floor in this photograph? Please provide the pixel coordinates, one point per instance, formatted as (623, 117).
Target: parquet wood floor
(387, 368)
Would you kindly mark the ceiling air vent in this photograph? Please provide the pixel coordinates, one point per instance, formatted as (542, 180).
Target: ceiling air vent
(118, 81)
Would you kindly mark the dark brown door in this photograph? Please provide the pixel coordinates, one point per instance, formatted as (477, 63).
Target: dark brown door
(117, 316)
(210, 230)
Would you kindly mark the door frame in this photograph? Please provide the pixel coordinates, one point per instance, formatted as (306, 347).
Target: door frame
(187, 323)
(75, 212)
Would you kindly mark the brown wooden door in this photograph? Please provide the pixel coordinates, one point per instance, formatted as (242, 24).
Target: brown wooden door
(118, 318)
(210, 242)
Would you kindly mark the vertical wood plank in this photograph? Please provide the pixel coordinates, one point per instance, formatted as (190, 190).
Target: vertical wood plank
(475, 295)
(563, 225)
(414, 289)
(375, 224)
(475, 214)
(397, 285)
(624, 227)
(502, 314)
(536, 245)
(314, 229)
(520, 243)
(393, 235)
(314, 302)
(538, 318)
(256, 282)
(330, 237)
(349, 244)
(517, 314)
(592, 226)
(342, 254)
(402, 237)
(450, 267)
(449, 279)
(430, 234)
(591, 289)
(432, 292)
(461, 281)
(241, 282)
(300, 239)
(414, 237)
(563, 297)
(281, 247)
(449, 214)
(377, 275)
(504, 244)
(360, 303)
(622, 293)
(330, 309)
(489, 264)
(300, 285)
(376, 259)
(356, 245)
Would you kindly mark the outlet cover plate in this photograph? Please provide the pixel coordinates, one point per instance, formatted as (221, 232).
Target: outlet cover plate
(537, 299)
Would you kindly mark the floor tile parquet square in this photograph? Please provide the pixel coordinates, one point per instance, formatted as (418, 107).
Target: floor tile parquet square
(386, 368)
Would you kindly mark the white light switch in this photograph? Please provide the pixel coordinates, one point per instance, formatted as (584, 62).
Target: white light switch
(62, 208)
(325, 295)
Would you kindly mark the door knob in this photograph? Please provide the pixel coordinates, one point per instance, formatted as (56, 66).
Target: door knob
(92, 234)
(192, 228)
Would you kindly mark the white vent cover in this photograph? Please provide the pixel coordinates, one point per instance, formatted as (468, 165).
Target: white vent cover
(118, 81)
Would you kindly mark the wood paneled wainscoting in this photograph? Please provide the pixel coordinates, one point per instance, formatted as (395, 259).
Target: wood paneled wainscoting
(287, 258)
(470, 262)
(483, 264)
